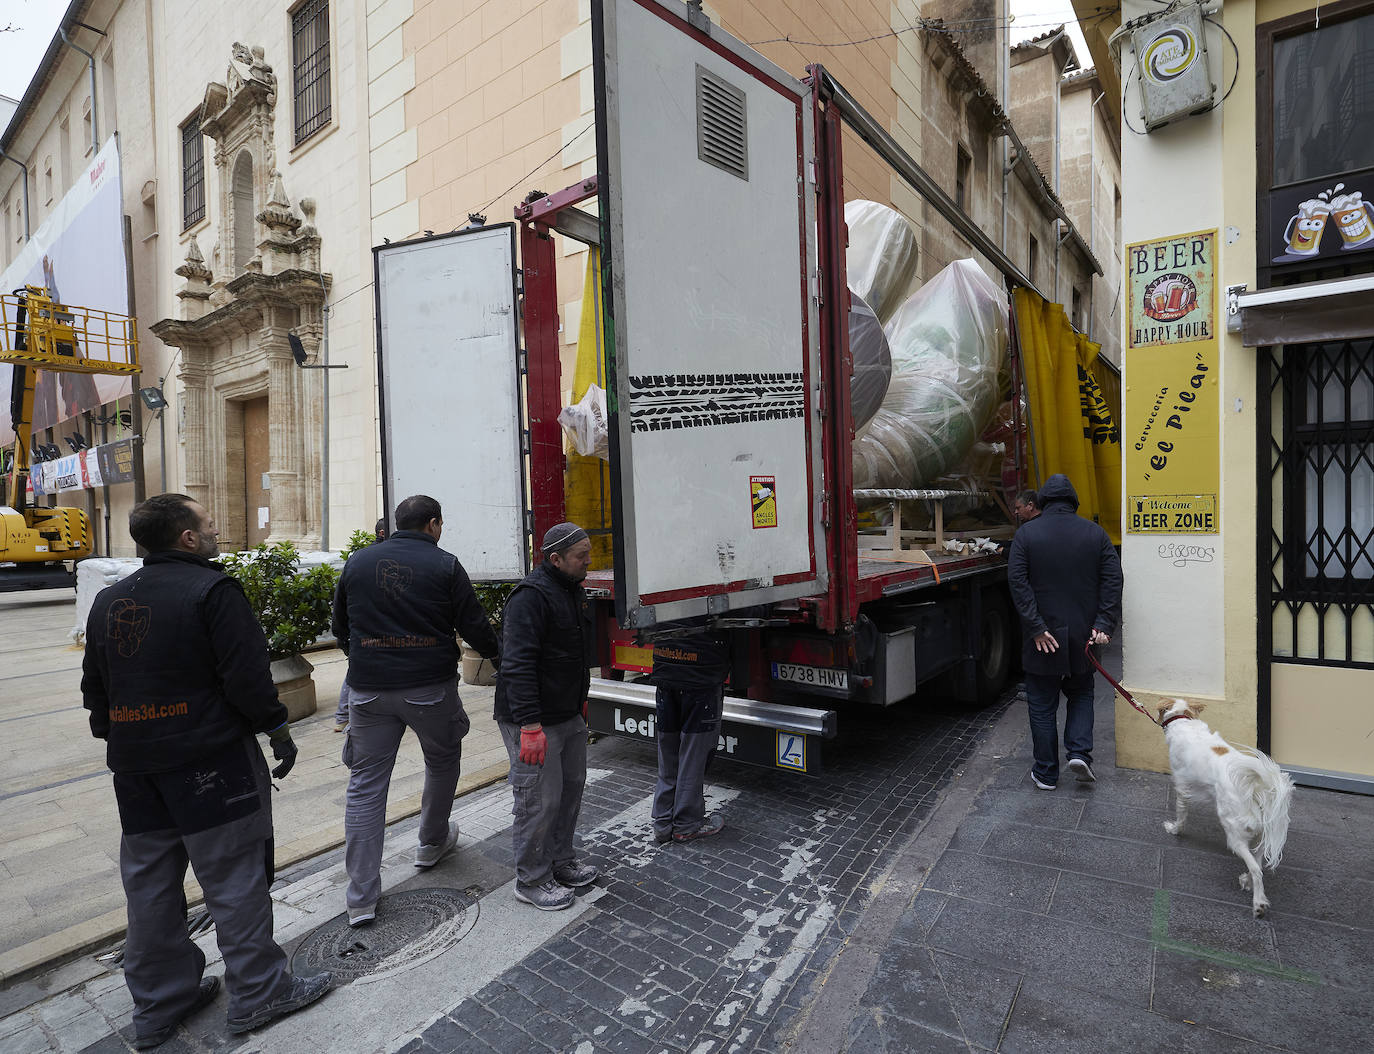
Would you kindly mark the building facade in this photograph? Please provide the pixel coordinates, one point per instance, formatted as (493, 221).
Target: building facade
(1249, 354)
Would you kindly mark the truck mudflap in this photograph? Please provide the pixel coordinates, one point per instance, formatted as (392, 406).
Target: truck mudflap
(770, 735)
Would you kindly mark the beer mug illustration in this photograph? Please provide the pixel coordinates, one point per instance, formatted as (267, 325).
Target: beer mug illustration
(1304, 230)
(1352, 217)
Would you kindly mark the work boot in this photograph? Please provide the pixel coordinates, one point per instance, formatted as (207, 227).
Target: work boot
(429, 855)
(300, 992)
(709, 826)
(575, 875)
(363, 915)
(209, 988)
(547, 896)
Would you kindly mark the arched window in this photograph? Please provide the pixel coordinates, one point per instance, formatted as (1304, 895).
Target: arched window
(243, 212)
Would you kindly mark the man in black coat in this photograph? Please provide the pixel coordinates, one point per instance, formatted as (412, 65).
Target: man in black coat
(176, 680)
(1065, 580)
(541, 709)
(398, 609)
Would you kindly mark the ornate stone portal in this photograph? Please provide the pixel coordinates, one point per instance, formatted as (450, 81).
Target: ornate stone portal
(263, 282)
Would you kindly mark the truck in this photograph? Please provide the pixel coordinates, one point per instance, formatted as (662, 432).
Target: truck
(729, 498)
(38, 546)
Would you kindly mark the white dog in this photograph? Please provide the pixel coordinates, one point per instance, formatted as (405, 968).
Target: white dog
(1251, 793)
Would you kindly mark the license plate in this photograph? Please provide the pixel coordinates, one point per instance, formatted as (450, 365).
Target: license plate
(821, 676)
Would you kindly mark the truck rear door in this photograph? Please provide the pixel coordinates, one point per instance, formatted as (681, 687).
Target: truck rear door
(449, 383)
(709, 279)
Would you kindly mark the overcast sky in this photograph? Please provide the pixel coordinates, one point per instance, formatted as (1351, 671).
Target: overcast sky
(35, 22)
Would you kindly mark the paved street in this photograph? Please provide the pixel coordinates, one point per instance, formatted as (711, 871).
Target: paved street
(920, 895)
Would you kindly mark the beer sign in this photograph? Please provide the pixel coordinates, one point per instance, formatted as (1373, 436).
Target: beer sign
(1171, 427)
(1171, 290)
(1322, 220)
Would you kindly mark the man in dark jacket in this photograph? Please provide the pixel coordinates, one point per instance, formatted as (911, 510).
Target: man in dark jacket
(541, 707)
(398, 609)
(1065, 580)
(691, 664)
(176, 680)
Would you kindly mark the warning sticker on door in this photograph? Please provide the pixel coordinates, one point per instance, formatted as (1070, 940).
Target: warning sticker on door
(763, 500)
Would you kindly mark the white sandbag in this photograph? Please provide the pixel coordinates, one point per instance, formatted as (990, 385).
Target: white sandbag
(872, 362)
(884, 249)
(948, 342)
(585, 423)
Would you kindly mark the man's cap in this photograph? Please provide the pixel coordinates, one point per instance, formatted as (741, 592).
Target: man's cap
(561, 536)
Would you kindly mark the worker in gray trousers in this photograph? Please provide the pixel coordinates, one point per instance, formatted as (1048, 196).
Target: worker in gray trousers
(398, 609)
(176, 680)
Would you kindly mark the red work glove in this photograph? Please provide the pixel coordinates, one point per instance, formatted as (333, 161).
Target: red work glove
(534, 745)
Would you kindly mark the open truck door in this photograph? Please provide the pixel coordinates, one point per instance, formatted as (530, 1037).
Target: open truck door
(710, 289)
(449, 383)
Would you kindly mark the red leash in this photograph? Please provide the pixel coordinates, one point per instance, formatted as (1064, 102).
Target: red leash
(1088, 651)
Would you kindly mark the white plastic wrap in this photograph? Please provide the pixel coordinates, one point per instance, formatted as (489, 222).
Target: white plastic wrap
(585, 423)
(872, 362)
(948, 342)
(882, 255)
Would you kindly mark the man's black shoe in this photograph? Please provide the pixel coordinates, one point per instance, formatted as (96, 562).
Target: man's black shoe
(209, 988)
(302, 991)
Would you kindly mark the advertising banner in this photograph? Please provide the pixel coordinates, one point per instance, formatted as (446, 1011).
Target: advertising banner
(78, 255)
(100, 466)
(1171, 407)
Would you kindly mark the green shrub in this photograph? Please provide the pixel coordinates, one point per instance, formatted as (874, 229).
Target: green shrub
(357, 540)
(493, 596)
(292, 607)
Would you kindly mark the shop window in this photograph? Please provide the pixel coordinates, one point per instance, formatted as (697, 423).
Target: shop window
(192, 173)
(310, 68)
(1032, 258)
(1079, 323)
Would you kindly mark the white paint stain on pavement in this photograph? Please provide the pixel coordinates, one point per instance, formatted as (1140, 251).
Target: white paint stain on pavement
(629, 1006)
(802, 945)
(634, 823)
(728, 1012)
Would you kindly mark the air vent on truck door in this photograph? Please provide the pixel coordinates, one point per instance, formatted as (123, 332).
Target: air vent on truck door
(722, 133)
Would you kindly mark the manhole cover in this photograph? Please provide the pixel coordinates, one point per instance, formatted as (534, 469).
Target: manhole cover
(411, 928)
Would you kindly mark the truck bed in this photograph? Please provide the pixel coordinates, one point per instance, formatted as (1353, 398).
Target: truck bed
(877, 578)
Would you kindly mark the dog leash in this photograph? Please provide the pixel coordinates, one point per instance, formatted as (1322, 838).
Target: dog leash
(1088, 651)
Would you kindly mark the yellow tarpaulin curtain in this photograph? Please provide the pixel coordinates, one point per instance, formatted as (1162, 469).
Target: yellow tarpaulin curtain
(1073, 430)
(587, 479)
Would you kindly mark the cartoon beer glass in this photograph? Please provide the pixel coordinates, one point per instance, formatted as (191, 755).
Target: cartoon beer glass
(1304, 231)
(1351, 214)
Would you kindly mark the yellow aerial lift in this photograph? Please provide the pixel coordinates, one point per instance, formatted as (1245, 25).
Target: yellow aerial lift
(37, 333)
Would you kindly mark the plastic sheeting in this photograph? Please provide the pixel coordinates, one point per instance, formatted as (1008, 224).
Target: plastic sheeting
(882, 256)
(948, 342)
(872, 362)
(586, 477)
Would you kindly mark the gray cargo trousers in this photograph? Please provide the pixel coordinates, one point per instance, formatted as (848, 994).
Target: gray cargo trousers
(548, 798)
(217, 815)
(377, 720)
(688, 728)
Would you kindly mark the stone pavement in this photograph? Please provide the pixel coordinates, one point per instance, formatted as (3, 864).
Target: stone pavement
(59, 828)
(919, 895)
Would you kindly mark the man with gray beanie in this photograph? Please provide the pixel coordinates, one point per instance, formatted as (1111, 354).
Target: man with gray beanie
(541, 708)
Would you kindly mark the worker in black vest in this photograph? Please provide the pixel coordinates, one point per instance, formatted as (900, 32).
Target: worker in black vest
(398, 609)
(691, 664)
(176, 680)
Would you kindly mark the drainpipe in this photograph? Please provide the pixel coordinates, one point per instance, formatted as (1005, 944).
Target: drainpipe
(1092, 202)
(1006, 109)
(95, 128)
(25, 169)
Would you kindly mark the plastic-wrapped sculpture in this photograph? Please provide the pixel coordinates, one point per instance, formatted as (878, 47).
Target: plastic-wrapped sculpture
(882, 255)
(872, 361)
(948, 342)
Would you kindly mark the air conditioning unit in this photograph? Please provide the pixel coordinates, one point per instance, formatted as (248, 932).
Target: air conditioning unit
(1175, 79)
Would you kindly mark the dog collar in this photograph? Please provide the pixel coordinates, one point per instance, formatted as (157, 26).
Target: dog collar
(1177, 717)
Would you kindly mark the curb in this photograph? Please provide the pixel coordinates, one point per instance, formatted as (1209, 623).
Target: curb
(54, 949)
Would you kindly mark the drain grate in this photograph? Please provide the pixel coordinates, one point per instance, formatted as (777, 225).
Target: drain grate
(411, 928)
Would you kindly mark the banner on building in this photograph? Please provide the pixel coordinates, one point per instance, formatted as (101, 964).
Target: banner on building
(1171, 408)
(101, 466)
(77, 254)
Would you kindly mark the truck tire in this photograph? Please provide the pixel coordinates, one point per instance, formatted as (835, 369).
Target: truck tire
(998, 635)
